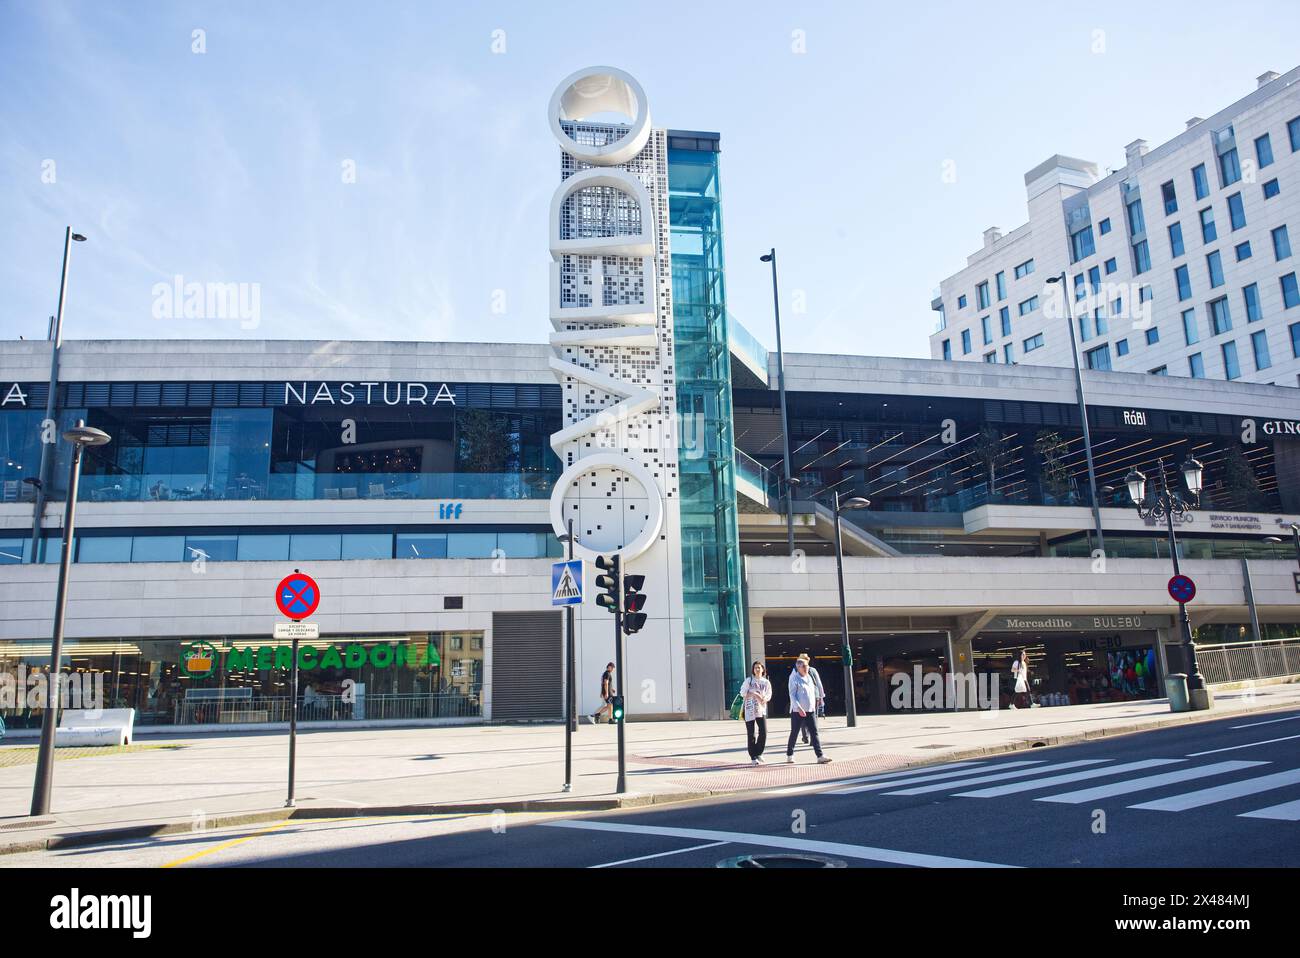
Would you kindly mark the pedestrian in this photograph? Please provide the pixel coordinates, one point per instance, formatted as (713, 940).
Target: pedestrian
(803, 710)
(606, 696)
(1020, 675)
(757, 692)
(821, 693)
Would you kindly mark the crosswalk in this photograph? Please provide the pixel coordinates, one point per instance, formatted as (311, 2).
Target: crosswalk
(1100, 779)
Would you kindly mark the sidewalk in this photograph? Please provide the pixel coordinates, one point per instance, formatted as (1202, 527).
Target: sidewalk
(211, 781)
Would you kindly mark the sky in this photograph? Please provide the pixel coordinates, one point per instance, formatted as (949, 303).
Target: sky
(384, 170)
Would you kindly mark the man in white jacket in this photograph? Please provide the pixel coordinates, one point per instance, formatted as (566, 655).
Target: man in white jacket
(803, 710)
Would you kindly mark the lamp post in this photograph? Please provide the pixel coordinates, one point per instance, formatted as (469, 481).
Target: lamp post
(1295, 535)
(80, 437)
(1165, 504)
(1059, 280)
(846, 650)
(770, 257)
(56, 341)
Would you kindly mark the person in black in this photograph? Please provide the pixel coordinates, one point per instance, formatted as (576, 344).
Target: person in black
(606, 696)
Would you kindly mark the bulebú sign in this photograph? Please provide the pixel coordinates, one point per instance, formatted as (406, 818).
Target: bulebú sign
(351, 656)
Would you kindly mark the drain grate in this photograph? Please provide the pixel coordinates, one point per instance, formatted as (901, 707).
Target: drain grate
(35, 823)
(781, 861)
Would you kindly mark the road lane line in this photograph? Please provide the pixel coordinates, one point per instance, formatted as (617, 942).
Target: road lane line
(778, 841)
(1141, 784)
(1286, 812)
(1223, 793)
(680, 851)
(231, 844)
(997, 777)
(998, 791)
(920, 777)
(1289, 718)
(1232, 748)
(841, 783)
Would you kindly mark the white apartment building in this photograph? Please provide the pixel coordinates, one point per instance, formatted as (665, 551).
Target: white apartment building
(1181, 263)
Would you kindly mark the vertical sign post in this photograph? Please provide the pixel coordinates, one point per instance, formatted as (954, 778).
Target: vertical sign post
(566, 590)
(297, 596)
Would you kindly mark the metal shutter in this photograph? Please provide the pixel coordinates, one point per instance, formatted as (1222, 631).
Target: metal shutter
(527, 659)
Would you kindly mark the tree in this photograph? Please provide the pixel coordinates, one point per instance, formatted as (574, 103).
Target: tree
(1051, 449)
(485, 442)
(988, 448)
(1240, 482)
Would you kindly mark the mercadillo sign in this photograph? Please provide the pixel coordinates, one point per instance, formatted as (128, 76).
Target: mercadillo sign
(199, 659)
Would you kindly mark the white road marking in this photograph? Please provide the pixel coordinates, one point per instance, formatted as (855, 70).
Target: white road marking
(918, 770)
(1223, 793)
(918, 777)
(642, 858)
(1289, 718)
(996, 777)
(1141, 784)
(999, 790)
(778, 841)
(1286, 812)
(1233, 748)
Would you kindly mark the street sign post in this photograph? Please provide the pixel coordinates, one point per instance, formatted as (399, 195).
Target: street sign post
(1182, 589)
(297, 630)
(297, 596)
(566, 582)
(566, 590)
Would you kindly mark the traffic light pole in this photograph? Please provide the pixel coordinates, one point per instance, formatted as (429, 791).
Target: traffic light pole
(570, 694)
(621, 787)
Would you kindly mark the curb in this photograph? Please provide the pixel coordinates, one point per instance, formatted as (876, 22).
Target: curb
(104, 836)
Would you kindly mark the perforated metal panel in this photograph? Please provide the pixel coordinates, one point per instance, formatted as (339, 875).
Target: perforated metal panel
(527, 666)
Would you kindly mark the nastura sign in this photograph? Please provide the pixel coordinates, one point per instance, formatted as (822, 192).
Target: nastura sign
(390, 394)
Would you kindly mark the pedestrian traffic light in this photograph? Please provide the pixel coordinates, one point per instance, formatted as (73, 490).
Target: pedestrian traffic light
(616, 702)
(633, 603)
(608, 583)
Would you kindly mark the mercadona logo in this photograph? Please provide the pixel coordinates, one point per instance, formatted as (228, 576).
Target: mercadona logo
(199, 659)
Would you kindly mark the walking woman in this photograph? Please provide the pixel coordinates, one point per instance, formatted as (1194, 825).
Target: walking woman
(803, 711)
(1020, 674)
(757, 692)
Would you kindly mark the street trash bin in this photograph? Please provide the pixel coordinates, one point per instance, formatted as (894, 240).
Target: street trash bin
(1176, 689)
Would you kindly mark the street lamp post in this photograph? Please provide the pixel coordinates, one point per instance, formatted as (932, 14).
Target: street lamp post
(846, 650)
(1083, 408)
(80, 437)
(1165, 504)
(770, 257)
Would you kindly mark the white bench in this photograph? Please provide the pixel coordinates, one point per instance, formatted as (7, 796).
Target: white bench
(95, 727)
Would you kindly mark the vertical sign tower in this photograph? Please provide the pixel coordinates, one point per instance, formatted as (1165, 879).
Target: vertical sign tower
(611, 308)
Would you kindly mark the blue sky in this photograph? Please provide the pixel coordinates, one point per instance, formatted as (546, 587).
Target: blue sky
(227, 166)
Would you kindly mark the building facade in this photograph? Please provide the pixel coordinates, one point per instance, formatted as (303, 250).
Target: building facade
(1180, 263)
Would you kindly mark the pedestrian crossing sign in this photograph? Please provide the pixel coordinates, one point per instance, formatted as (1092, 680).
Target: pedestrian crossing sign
(566, 582)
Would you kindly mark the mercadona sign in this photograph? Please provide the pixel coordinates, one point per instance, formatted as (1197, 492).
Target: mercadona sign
(351, 656)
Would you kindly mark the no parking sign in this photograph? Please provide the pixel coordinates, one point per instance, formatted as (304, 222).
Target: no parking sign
(297, 596)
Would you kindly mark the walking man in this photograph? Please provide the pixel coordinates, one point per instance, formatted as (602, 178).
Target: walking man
(803, 711)
(606, 696)
(821, 694)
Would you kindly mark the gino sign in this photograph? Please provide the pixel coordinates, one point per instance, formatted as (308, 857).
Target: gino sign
(200, 658)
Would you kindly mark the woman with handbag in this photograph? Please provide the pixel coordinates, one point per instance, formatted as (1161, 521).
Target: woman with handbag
(1020, 675)
(756, 692)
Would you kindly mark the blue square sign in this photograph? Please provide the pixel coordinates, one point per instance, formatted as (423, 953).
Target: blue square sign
(566, 582)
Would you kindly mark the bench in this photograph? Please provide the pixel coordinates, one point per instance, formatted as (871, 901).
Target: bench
(95, 727)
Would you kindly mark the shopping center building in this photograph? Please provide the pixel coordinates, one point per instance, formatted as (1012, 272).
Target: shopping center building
(424, 487)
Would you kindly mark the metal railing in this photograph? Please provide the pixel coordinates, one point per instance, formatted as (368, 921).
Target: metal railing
(331, 708)
(1242, 661)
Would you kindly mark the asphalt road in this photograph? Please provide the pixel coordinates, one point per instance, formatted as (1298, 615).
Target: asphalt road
(1220, 794)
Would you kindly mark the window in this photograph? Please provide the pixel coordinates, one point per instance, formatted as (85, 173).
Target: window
(1085, 328)
(1094, 279)
(1110, 266)
(1160, 371)
(1214, 263)
(1271, 189)
(1208, 233)
(1236, 212)
(368, 545)
(1098, 358)
(991, 357)
(1264, 151)
(1080, 290)
(1294, 329)
(1184, 282)
(1153, 335)
(1099, 322)
(1028, 306)
(1290, 295)
(216, 548)
(1144, 294)
(1170, 198)
(1035, 341)
(1024, 269)
(1220, 316)
(1176, 240)
(1242, 250)
(1141, 257)
(1231, 368)
(1008, 354)
(961, 301)
(1004, 315)
(421, 545)
(1281, 243)
(103, 548)
(1001, 280)
(471, 545)
(159, 549)
(1082, 245)
(965, 342)
(1136, 221)
(1293, 132)
(263, 548)
(1190, 333)
(1121, 347)
(1104, 226)
(1196, 366)
(947, 349)
(1229, 168)
(1251, 295)
(982, 295)
(986, 330)
(1117, 306)
(1200, 181)
(315, 546)
(1259, 344)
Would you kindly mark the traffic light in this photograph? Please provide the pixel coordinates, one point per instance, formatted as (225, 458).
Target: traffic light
(608, 583)
(633, 603)
(616, 703)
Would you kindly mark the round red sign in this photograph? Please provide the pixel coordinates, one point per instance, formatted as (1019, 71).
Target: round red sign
(297, 596)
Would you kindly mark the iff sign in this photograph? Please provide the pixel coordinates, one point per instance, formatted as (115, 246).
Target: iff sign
(566, 582)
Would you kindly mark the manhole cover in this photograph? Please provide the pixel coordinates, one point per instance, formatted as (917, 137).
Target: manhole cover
(780, 861)
(34, 823)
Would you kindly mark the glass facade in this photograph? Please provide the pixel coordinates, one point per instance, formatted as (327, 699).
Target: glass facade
(711, 566)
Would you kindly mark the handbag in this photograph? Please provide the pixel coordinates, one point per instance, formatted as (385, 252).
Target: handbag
(737, 704)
